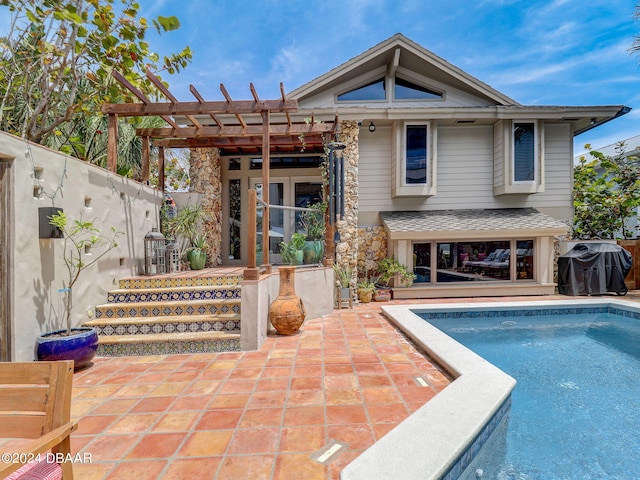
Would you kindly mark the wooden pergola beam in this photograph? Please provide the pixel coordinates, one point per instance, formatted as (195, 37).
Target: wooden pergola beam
(229, 101)
(284, 98)
(165, 91)
(239, 107)
(238, 142)
(201, 99)
(237, 131)
(141, 96)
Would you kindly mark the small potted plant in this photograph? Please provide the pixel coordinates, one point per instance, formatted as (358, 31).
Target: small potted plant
(77, 344)
(343, 274)
(365, 291)
(197, 253)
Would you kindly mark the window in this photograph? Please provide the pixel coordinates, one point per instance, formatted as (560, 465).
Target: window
(235, 219)
(524, 152)
(473, 261)
(416, 154)
(372, 91)
(276, 163)
(405, 90)
(519, 157)
(414, 160)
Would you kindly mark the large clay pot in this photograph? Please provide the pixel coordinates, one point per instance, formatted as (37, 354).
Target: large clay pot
(287, 312)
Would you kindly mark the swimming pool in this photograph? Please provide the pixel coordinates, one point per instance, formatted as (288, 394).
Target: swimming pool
(444, 436)
(575, 413)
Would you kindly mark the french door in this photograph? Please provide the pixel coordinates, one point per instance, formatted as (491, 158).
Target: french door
(286, 191)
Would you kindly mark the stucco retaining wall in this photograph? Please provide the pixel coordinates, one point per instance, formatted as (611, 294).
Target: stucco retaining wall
(35, 268)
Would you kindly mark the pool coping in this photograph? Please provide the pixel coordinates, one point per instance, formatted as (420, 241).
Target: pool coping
(430, 441)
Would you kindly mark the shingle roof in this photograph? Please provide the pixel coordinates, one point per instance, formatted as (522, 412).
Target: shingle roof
(490, 220)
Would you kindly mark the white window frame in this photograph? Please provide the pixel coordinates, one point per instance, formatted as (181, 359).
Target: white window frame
(505, 156)
(399, 186)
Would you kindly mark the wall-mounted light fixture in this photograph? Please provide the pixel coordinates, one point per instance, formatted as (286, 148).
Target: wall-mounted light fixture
(593, 121)
(372, 127)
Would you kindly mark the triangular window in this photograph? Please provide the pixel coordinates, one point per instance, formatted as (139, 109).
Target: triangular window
(405, 90)
(371, 91)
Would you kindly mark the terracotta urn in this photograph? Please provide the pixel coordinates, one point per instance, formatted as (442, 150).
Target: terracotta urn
(287, 312)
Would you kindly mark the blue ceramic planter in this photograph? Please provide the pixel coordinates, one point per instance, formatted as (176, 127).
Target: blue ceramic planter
(80, 347)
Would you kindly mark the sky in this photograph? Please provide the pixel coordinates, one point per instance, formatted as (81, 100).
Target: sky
(553, 52)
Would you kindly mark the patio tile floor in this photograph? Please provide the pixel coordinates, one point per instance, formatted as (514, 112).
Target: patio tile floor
(348, 377)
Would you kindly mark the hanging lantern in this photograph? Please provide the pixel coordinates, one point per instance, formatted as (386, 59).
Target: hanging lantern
(154, 253)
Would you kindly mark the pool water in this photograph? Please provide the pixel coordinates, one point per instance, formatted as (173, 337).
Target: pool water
(576, 408)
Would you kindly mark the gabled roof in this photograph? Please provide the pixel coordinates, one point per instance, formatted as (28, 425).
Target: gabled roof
(396, 51)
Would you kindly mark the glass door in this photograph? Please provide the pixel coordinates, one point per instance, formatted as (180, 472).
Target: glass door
(279, 229)
(292, 191)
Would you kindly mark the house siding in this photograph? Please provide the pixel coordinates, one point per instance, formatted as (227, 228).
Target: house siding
(465, 173)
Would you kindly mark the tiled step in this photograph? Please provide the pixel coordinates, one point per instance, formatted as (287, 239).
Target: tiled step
(179, 282)
(129, 295)
(163, 309)
(168, 324)
(168, 343)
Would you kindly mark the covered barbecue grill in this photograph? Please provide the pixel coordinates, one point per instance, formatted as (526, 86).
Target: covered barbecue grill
(593, 269)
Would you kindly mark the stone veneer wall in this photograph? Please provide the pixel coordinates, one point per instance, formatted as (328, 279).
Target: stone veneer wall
(205, 172)
(347, 248)
(372, 247)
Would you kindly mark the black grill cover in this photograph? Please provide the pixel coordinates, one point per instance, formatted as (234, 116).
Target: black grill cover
(593, 269)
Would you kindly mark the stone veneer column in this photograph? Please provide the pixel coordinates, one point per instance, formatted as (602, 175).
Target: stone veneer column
(347, 248)
(372, 247)
(205, 174)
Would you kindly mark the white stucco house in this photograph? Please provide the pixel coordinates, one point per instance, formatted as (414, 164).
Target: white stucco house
(464, 185)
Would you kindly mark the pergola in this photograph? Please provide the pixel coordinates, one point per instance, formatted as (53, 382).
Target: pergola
(233, 126)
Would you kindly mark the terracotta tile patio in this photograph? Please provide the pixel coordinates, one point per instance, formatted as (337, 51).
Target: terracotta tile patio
(349, 377)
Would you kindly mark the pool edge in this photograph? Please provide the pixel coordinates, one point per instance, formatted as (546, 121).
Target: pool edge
(429, 442)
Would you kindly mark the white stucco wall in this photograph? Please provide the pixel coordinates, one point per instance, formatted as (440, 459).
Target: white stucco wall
(36, 270)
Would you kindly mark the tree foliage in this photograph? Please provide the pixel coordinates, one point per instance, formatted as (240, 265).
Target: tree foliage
(58, 57)
(606, 195)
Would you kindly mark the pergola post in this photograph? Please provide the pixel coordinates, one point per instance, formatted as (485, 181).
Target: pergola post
(161, 168)
(266, 165)
(145, 159)
(251, 272)
(112, 143)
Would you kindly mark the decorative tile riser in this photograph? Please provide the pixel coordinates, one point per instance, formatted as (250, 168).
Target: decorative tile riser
(193, 327)
(159, 311)
(170, 282)
(141, 296)
(167, 348)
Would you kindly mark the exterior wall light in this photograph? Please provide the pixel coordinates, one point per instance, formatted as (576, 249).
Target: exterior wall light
(372, 127)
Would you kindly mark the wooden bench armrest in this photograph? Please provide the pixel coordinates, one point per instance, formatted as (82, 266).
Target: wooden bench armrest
(22, 455)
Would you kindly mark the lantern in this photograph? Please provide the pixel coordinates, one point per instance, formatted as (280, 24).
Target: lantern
(154, 253)
(172, 257)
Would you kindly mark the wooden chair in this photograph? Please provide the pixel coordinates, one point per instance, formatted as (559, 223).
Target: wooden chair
(35, 403)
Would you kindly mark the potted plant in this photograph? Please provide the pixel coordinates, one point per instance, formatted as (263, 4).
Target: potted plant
(77, 344)
(343, 274)
(391, 271)
(365, 291)
(313, 224)
(197, 253)
(292, 251)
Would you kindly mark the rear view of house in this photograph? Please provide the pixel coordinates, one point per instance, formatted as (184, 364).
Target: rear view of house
(459, 182)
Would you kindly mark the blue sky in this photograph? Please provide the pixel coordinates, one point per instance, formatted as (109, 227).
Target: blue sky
(538, 52)
(558, 52)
